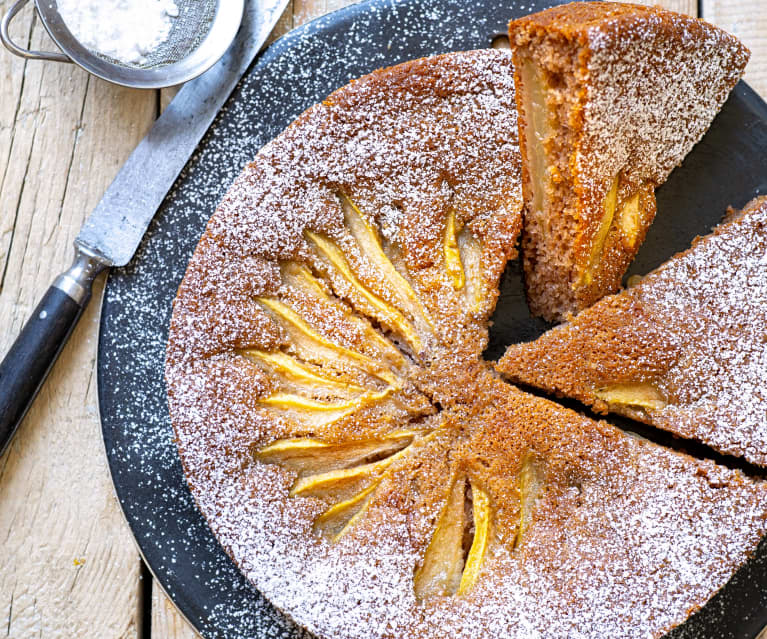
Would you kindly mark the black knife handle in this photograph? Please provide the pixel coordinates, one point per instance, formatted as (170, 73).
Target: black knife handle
(32, 355)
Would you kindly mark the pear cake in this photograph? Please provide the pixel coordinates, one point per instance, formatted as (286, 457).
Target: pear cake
(611, 98)
(685, 349)
(350, 449)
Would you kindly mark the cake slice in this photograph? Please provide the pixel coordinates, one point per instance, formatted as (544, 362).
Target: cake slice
(684, 350)
(611, 97)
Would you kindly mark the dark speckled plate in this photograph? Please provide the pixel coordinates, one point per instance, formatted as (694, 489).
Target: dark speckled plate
(728, 167)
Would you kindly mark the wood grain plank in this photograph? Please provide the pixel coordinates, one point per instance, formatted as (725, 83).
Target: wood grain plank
(690, 7)
(306, 10)
(746, 19)
(69, 562)
(167, 622)
(284, 24)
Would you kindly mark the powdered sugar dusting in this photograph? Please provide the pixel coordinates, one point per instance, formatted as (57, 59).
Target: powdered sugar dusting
(414, 142)
(612, 552)
(714, 298)
(293, 74)
(611, 549)
(656, 83)
(694, 328)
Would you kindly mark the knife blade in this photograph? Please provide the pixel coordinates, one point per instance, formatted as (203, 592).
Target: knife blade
(113, 231)
(115, 227)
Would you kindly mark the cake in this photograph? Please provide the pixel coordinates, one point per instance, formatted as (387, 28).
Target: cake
(685, 349)
(611, 98)
(350, 449)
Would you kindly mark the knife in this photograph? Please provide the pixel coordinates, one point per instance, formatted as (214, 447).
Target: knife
(113, 231)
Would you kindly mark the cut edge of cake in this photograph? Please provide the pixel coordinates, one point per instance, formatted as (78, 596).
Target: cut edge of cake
(611, 97)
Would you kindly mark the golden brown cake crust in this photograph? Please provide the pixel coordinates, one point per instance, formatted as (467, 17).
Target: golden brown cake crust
(634, 88)
(344, 439)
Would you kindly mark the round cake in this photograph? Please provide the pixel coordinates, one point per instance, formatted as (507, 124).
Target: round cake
(352, 452)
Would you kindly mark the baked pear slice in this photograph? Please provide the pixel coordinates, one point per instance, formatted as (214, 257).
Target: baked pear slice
(530, 483)
(442, 566)
(313, 456)
(317, 383)
(481, 514)
(360, 271)
(463, 255)
(301, 285)
(316, 348)
(611, 98)
(447, 568)
(301, 376)
(339, 271)
(369, 241)
(346, 473)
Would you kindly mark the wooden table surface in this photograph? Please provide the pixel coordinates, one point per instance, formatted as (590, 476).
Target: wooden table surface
(69, 566)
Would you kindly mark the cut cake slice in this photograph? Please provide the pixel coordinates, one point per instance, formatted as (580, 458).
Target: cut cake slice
(684, 350)
(611, 98)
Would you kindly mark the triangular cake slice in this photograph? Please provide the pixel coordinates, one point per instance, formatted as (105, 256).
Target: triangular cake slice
(685, 349)
(611, 98)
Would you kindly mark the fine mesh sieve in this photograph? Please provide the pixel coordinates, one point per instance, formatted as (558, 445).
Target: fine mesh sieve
(199, 36)
(194, 21)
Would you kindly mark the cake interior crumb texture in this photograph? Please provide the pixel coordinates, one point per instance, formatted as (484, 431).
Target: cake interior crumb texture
(612, 97)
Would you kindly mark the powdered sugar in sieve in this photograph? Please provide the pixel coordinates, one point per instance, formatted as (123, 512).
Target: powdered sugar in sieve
(143, 33)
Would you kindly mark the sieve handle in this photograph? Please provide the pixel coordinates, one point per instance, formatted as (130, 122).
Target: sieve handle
(21, 51)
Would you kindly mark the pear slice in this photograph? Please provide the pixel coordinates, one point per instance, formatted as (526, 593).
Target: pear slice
(347, 473)
(481, 515)
(534, 105)
(299, 402)
(442, 566)
(299, 373)
(337, 520)
(315, 456)
(385, 312)
(319, 350)
(453, 263)
(336, 485)
(530, 486)
(292, 452)
(339, 484)
(301, 278)
(641, 395)
(598, 243)
(475, 289)
(313, 414)
(369, 242)
(629, 221)
(310, 422)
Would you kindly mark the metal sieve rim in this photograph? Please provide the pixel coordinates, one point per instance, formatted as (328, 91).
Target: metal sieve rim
(226, 22)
